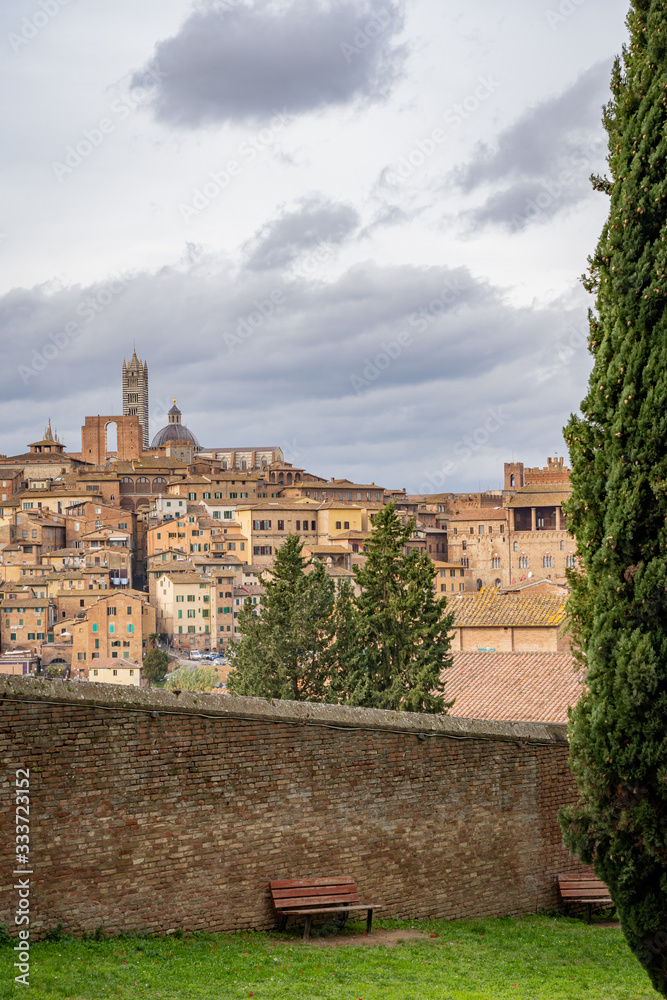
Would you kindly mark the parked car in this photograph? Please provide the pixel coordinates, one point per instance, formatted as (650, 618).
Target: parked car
(195, 654)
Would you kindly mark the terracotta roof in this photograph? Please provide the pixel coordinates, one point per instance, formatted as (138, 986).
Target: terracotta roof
(513, 687)
(480, 514)
(541, 495)
(106, 662)
(181, 578)
(488, 607)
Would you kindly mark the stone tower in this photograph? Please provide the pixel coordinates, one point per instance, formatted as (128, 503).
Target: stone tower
(135, 393)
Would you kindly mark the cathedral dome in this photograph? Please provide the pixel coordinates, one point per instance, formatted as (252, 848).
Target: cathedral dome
(175, 432)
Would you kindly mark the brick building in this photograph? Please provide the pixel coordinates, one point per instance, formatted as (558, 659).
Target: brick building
(492, 622)
(116, 626)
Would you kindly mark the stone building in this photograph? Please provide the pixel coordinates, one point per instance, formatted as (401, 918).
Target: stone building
(539, 543)
(477, 539)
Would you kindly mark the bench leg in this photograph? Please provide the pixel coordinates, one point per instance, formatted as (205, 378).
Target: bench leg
(590, 913)
(369, 921)
(306, 929)
(282, 922)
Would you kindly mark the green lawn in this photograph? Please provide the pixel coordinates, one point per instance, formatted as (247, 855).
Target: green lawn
(534, 958)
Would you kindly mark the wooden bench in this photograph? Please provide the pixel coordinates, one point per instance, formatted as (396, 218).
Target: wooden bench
(583, 889)
(308, 896)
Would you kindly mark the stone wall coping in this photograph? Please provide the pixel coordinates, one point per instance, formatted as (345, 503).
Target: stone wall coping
(85, 694)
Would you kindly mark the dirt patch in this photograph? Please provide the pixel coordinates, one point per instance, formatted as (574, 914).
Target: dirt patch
(389, 939)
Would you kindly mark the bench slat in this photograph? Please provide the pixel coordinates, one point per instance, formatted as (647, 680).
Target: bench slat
(581, 893)
(328, 890)
(289, 904)
(580, 881)
(335, 909)
(295, 883)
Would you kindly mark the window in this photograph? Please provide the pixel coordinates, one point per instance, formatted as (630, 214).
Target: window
(94, 626)
(180, 612)
(502, 529)
(112, 629)
(191, 597)
(562, 546)
(130, 628)
(129, 610)
(547, 562)
(263, 525)
(111, 611)
(495, 562)
(227, 514)
(346, 525)
(31, 635)
(298, 525)
(571, 562)
(179, 598)
(452, 572)
(516, 546)
(480, 529)
(512, 481)
(192, 496)
(281, 525)
(97, 644)
(523, 562)
(490, 529)
(191, 612)
(338, 525)
(472, 531)
(464, 545)
(206, 496)
(261, 550)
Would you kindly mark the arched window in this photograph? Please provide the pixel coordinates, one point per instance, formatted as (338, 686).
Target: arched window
(111, 437)
(126, 504)
(126, 485)
(512, 480)
(281, 479)
(143, 485)
(159, 484)
(498, 584)
(297, 477)
(223, 465)
(289, 478)
(479, 584)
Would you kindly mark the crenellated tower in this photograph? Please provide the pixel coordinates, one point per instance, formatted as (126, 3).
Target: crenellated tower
(135, 392)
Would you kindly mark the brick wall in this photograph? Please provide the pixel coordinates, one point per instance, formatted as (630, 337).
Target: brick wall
(147, 814)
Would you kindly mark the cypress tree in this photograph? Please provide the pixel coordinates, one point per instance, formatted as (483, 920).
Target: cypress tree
(618, 512)
(404, 629)
(282, 650)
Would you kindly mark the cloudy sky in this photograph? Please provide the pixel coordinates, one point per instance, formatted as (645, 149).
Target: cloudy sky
(351, 228)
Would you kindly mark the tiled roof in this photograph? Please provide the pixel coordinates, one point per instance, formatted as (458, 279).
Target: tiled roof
(488, 607)
(513, 687)
(480, 514)
(541, 495)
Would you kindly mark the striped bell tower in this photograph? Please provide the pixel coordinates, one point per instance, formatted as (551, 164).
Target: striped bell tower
(135, 392)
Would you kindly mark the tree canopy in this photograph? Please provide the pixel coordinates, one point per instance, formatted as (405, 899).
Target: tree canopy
(618, 512)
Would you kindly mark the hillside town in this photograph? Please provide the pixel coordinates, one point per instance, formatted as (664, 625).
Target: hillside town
(129, 543)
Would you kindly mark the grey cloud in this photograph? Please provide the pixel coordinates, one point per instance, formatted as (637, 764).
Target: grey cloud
(316, 223)
(252, 357)
(233, 61)
(543, 161)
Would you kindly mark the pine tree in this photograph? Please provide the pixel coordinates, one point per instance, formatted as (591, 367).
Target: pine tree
(345, 654)
(282, 650)
(618, 512)
(403, 627)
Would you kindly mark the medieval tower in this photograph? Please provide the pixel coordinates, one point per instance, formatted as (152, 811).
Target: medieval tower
(135, 393)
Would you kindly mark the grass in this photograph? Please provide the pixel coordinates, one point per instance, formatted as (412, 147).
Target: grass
(533, 958)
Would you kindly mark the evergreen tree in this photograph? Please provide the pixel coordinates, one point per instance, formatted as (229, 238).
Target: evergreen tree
(403, 627)
(618, 513)
(155, 665)
(345, 655)
(282, 650)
